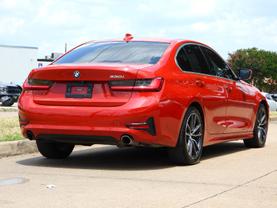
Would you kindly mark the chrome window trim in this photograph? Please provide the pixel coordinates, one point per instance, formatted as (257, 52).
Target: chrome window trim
(189, 72)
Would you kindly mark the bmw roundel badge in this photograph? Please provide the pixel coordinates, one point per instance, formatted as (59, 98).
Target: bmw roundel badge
(76, 74)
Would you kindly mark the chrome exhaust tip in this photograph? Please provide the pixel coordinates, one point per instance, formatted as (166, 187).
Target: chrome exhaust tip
(127, 139)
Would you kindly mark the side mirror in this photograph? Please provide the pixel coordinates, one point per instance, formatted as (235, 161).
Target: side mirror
(245, 74)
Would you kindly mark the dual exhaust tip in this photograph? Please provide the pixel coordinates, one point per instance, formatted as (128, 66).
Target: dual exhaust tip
(127, 140)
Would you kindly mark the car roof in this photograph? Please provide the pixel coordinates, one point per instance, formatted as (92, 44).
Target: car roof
(162, 40)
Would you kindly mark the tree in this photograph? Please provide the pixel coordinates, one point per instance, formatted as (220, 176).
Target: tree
(263, 64)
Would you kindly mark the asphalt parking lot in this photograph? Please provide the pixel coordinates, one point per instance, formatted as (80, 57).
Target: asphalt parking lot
(229, 175)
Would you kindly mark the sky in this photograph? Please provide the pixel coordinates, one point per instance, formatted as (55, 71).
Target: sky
(225, 25)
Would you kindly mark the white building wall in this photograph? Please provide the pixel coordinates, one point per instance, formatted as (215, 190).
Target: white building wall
(16, 62)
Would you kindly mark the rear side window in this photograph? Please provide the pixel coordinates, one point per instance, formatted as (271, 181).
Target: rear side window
(190, 58)
(134, 52)
(183, 61)
(217, 66)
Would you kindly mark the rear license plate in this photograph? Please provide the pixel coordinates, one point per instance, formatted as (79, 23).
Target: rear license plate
(78, 90)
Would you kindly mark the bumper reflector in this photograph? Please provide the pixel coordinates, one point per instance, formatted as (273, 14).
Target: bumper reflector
(148, 126)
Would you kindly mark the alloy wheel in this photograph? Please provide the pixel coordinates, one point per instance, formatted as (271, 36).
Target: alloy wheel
(262, 125)
(193, 135)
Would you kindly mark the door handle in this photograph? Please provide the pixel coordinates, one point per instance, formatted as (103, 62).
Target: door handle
(229, 89)
(199, 83)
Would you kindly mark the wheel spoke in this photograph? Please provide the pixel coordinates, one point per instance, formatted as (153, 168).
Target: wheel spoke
(263, 124)
(196, 129)
(189, 147)
(188, 128)
(195, 149)
(194, 120)
(193, 152)
(196, 135)
(262, 120)
(191, 122)
(195, 143)
(263, 131)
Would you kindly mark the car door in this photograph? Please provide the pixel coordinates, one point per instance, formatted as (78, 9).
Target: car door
(209, 89)
(240, 99)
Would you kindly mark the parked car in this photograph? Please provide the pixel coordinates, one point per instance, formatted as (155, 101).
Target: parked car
(274, 96)
(178, 94)
(9, 94)
(271, 102)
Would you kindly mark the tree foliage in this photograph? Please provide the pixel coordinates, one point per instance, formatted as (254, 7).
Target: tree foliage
(263, 64)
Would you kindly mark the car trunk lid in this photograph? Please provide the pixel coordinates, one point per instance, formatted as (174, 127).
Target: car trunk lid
(83, 85)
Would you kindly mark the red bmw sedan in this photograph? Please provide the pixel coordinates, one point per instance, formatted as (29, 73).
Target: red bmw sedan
(178, 94)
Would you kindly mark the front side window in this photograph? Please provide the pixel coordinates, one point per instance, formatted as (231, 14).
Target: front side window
(190, 58)
(134, 52)
(217, 66)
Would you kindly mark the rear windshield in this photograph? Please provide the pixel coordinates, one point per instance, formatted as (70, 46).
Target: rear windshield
(116, 52)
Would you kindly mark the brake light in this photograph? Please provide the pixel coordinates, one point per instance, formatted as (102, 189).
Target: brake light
(37, 84)
(137, 85)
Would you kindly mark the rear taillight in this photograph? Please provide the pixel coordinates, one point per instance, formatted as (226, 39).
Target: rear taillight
(37, 84)
(137, 85)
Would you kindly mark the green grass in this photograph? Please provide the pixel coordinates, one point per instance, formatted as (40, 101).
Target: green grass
(9, 129)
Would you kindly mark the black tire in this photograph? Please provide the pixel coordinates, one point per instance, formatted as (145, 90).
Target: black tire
(8, 102)
(189, 148)
(260, 129)
(54, 150)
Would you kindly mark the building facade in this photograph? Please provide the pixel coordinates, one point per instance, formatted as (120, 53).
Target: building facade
(16, 62)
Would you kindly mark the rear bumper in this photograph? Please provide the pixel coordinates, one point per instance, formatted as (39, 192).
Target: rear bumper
(93, 125)
(79, 139)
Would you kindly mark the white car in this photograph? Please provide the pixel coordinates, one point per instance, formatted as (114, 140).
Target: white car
(271, 102)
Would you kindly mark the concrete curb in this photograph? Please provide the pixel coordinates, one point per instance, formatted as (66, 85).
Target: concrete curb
(17, 148)
(8, 109)
(273, 118)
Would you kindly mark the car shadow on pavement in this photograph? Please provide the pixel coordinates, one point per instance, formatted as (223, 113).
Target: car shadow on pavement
(108, 158)
(222, 149)
(113, 158)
